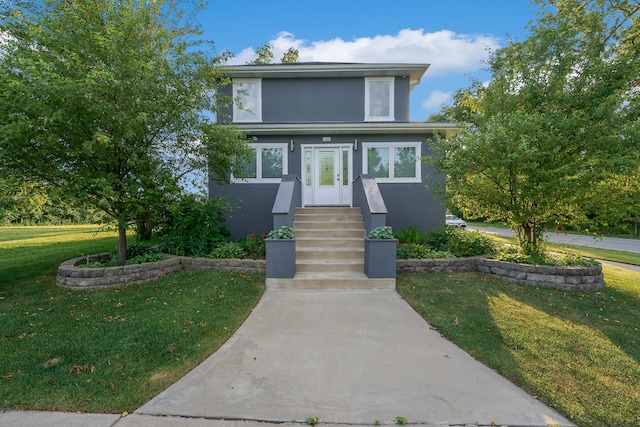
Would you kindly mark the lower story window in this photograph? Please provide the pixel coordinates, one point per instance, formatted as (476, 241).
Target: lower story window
(268, 164)
(392, 161)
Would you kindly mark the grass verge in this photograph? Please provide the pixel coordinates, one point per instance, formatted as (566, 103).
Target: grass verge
(579, 352)
(104, 351)
(596, 253)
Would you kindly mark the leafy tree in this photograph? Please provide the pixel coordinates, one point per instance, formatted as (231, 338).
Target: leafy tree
(111, 101)
(290, 56)
(558, 117)
(264, 55)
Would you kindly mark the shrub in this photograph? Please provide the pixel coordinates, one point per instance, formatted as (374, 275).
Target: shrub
(409, 251)
(469, 243)
(437, 240)
(514, 254)
(194, 226)
(411, 235)
(141, 259)
(137, 249)
(229, 250)
(253, 246)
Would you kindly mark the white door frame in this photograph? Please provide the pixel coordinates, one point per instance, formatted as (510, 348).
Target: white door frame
(309, 162)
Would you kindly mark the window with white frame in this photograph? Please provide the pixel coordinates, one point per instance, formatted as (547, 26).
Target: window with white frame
(378, 99)
(267, 164)
(247, 106)
(392, 161)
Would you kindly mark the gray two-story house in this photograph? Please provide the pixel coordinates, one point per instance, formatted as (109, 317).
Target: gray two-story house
(329, 123)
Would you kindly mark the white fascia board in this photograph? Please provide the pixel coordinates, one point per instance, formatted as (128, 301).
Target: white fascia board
(450, 129)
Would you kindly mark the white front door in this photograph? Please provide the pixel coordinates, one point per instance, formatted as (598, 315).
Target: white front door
(327, 176)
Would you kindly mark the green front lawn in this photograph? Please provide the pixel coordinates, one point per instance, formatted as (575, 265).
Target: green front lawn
(104, 351)
(578, 351)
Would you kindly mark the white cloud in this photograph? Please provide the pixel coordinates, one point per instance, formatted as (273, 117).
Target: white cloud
(445, 50)
(435, 99)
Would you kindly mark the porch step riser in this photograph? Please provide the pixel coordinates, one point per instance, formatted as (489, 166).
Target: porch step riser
(328, 225)
(328, 218)
(332, 233)
(328, 211)
(355, 254)
(352, 243)
(316, 284)
(330, 267)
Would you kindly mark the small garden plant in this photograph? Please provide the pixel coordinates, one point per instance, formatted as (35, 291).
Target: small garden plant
(282, 233)
(382, 233)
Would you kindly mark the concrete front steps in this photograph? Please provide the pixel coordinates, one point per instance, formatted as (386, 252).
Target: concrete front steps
(329, 252)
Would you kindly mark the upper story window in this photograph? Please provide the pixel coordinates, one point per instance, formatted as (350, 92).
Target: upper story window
(378, 99)
(247, 94)
(392, 161)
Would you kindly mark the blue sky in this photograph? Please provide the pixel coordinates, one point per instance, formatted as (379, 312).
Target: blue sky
(452, 36)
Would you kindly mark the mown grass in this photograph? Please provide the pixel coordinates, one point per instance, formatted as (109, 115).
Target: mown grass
(578, 351)
(587, 252)
(104, 351)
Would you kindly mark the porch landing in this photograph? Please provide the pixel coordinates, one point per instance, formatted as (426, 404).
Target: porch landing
(329, 252)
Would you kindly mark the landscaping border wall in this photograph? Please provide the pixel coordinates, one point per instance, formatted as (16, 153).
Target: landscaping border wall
(71, 276)
(568, 278)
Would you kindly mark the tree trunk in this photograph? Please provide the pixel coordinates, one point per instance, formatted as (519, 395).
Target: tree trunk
(145, 227)
(122, 245)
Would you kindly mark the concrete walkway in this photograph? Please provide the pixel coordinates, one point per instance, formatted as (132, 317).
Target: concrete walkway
(347, 357)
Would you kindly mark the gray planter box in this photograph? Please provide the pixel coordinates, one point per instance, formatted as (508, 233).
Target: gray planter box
(380, 258)
(281, 258)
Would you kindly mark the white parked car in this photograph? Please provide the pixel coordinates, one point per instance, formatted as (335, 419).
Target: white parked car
(454, 221)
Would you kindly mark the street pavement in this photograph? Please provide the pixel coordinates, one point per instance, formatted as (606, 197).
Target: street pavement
(613, 243)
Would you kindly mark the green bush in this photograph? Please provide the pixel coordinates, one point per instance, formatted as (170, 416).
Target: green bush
(253, 246)
(137, 249)
(437, 240)
(194, 226)
(411, 235)
(229, 250)
(514, 254)
(469, 243)
(409, 251)
(141, 259)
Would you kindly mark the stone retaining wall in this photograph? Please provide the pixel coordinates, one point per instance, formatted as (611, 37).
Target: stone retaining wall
(567, 278)
(74, 277)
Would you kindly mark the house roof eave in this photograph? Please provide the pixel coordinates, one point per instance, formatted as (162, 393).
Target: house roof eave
(257, 129)
(313, 69)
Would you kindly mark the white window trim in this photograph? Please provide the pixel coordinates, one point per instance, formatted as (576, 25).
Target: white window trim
(391, 146)
(236, 108)
(367, 98)
(258, 180)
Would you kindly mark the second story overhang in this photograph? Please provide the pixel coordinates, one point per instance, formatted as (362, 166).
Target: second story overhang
(414, 72)
(392, 128)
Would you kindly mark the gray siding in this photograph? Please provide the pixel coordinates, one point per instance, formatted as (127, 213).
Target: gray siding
(307, 100)
(313, 100)
(407, 204)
